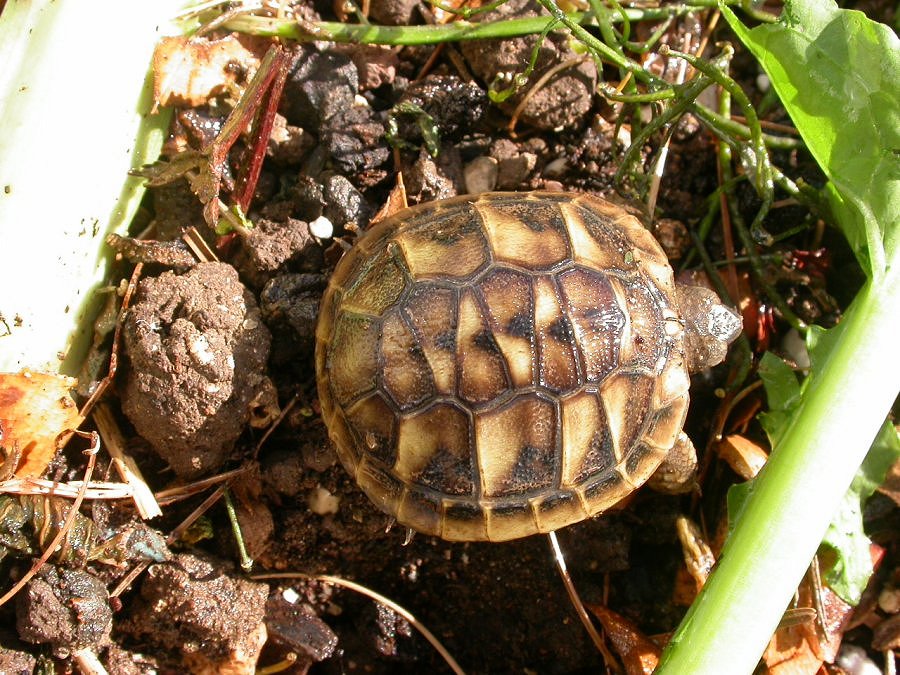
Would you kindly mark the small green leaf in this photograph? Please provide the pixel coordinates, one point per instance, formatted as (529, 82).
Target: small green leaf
(782, 392)
(845, 536)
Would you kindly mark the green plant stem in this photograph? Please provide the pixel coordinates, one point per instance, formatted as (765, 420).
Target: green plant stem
(332, 31)
(796, 495)
(75, 117)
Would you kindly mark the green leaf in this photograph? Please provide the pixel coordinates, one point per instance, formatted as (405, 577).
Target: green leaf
(835, 71)
(782, 392)
(846, 536)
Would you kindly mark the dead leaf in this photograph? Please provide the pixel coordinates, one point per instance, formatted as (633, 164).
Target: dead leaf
(802, 648)
(698, 560)
(639, 654)
(745, 457)
(189, 71)
(396, 201)
(35, 408)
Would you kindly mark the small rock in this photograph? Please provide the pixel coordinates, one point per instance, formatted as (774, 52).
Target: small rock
(257, 526)
(355, 139)
(513, 166)
(322, 502)
(673, 236)
(296, 626)
(344, 204)
(480, 175)
(293, 299)
(454, 106)
(15, 662)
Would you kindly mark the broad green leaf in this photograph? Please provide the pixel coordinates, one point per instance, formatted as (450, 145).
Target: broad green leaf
(782, 392)
(845, 536)
(836, 72)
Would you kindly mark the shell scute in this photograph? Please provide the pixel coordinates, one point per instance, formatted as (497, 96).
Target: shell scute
(448, 244)
(517, 446)
(434, 450)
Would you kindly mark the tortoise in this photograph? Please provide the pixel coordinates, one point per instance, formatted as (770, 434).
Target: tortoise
(494, 366)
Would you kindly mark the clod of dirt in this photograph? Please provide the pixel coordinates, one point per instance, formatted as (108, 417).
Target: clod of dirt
(67, 609)
(453, 105)
(322, 84)
(194, 606)
(392, 12)
(290, 305)
(296, 626)
(390, 627)
(272, 247)
(354, 137)
(177, 209)
(428, 178)
(288, 144)
(198, 350)
(563, 101)
(376, 64)
(13, 661)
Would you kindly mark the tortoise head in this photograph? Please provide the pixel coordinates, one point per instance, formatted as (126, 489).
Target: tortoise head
(709, 326)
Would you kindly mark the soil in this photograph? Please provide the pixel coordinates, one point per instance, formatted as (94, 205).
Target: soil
(205, 345)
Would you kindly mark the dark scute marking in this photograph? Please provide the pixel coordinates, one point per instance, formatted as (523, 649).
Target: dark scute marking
(520, 326)
(485, 340)
(447, 473)
(446, 341)
(561, 330)
(535, 468)
(537, 216)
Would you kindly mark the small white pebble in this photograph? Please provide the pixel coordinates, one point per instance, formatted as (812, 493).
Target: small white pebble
(854, 661)
(200, 350)
(322, 502)
(480, 175)
(361, 101)
(889, 600)
(795, 348)
(556, 167)
(290, 595)
(322, 228)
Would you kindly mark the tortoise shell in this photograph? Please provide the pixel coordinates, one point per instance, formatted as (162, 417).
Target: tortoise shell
(494, 366)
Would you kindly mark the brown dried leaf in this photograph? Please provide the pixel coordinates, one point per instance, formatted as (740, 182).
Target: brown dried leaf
(396, 201)
(745, 457)
(35, 409)
(801, 648)
(639, 654)
(189, 71)
(698, 560)
(887, 634)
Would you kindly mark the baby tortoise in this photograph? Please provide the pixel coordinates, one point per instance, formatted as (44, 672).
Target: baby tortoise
(494, 366)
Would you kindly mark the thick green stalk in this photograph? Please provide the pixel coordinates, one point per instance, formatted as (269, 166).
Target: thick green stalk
(74, 118)
(797, 494)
